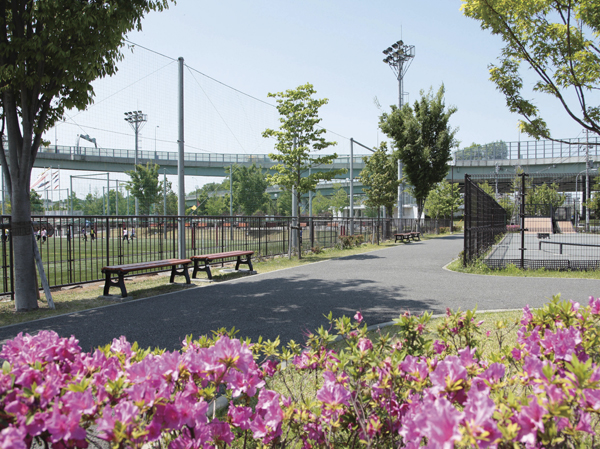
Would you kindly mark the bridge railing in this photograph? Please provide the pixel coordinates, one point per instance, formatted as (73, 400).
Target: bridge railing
(536, 149)
(158, 156)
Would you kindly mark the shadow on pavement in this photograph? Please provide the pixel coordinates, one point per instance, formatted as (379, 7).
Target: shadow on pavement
(268, 307)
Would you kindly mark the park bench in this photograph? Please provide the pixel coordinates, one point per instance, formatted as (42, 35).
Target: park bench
(402, 236)
(122, 270)
(242, 257)
(408, 236)
(543, 235)
(561, 244)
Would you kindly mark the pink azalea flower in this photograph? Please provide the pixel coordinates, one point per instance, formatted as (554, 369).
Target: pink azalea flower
(240, 383)
(479, 410)
(594, 306)
(530, 420)
(13, 437)
(121, 346)
(592, 398)
(364, 344)
(269, 367)
(439, 347)
(333, 394)
(417, 369)
(527, 316)
(266, 424)
(442, 429)
(448, 370)
(494, 373)
(220, 431)
(358, 317)
(240, 416)
(64, 427)
(467, 357)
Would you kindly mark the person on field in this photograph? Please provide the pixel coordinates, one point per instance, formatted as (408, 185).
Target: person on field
(125, 237)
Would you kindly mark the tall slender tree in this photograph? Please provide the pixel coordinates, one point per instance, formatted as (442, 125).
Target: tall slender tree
(298, 138)
(423, 140)
(380, 179)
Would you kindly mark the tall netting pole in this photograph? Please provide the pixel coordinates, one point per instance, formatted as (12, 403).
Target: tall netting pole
(180, 168)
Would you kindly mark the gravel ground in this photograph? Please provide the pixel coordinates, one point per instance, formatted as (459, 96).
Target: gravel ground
(288, 303)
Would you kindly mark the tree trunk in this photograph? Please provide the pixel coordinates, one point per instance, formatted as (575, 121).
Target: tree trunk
(420, 206)
(24, 266)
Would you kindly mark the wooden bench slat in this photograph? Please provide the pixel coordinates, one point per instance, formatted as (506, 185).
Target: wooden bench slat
(145, 265)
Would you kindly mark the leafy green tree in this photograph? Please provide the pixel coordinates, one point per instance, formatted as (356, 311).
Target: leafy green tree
(321, 205)
(543, 194)
(443, 199)
(76, 202)
(217, 205)
(37, 204)
(559, 42)
(423, 140)
(297, 139)
(172, 204)
(340, 199)
(594, 202)
(50, 52)
(144, 186)
(250, 189)
(204, 193)
(283, 205)
(487, 188)
(489, 151)
(92, 205)
(380, 179)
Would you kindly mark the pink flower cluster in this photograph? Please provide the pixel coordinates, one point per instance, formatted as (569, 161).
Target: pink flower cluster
(52, 391)
(410, 392)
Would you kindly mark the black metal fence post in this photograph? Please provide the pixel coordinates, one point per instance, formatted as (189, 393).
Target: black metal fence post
(522, 214)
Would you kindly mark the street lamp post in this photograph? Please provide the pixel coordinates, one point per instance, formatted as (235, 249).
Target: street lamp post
(136, 120)
(399, 56)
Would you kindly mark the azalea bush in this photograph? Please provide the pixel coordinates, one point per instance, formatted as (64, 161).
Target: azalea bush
(426, 386)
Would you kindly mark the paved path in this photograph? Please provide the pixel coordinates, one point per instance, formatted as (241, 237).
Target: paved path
(382, 284)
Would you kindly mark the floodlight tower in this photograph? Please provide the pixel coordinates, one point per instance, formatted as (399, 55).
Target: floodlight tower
(399, 57)
(137, 120)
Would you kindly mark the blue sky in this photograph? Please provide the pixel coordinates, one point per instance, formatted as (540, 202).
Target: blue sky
(269, 46)
(266, 46)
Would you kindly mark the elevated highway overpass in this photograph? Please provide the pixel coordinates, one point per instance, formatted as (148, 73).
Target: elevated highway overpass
(546, 160)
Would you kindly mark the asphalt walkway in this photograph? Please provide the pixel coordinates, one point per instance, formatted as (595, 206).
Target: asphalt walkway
(288, 303)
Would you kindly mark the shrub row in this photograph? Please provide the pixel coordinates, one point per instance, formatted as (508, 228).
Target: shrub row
(404, 391)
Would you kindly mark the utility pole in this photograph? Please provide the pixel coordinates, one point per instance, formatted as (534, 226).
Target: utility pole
(136, 120)
(181, 166)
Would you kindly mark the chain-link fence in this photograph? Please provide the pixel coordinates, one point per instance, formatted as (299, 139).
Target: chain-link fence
(485, 221)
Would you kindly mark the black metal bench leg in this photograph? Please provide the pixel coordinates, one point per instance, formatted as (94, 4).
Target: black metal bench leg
(107, 284)
(122, 285)
(119, 283)
(181, 272)
(246, 261)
